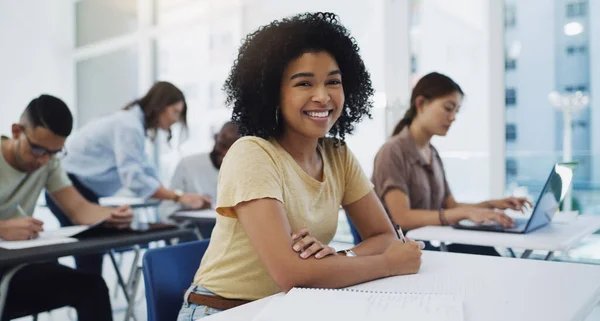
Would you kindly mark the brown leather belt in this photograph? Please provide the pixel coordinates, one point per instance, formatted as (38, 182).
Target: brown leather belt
(215, 301)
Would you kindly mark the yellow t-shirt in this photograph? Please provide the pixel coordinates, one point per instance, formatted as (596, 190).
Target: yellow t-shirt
(255, 168)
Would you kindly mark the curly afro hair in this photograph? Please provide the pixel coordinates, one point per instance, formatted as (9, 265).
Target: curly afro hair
(253, 86)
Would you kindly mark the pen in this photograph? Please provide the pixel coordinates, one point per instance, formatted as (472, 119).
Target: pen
(20, 209)
(400, 234)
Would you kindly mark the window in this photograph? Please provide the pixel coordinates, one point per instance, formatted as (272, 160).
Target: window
(511, 97)
(576, 9)
(510, 64)
(512, 167)
(413, 64)
(98, 94)
(511, 132)
(575, 88)
(574, 50)
(91, 18)
(580, 123)
(534, 133)
(510, 16)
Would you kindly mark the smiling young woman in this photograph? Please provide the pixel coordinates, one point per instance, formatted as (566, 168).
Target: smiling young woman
(297, 88)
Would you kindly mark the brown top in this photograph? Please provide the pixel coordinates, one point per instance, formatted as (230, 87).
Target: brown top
(400, 165)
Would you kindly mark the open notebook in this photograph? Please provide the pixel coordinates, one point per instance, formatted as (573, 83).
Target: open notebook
(352, 305)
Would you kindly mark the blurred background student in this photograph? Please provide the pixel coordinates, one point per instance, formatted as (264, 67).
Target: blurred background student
(108, 155)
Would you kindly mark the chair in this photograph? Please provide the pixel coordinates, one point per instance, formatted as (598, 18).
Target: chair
(168, 272)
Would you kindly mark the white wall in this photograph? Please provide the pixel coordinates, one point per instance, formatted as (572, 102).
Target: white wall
(36, 39)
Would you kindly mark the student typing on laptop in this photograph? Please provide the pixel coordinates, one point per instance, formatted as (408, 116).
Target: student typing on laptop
(409, 175)
(28, 164)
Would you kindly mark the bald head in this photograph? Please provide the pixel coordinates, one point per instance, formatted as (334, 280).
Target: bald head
(223, 140)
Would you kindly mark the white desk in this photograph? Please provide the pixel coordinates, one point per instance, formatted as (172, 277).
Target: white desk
(499, 289)
(551, 238)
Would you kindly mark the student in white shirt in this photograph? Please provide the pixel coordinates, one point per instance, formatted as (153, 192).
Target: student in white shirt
(199, 173)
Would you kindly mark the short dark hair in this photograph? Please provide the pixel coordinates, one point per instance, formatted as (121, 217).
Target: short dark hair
(51, 113)
(253, 86)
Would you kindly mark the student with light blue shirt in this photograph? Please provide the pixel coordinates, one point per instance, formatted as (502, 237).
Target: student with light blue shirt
(108, 155)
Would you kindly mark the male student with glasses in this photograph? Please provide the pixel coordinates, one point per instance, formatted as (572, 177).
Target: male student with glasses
(29, 164)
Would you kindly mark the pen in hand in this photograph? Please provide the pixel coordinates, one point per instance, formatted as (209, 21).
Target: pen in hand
(400, 234)
(20, 209)
(403, 238)
(35, 231)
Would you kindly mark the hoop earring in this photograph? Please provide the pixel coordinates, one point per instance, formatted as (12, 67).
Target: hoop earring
(277, 116)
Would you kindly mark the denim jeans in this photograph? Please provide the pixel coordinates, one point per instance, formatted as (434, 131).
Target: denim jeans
(192, 311)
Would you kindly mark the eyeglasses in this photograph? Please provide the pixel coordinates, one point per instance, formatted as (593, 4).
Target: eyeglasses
(39, 151)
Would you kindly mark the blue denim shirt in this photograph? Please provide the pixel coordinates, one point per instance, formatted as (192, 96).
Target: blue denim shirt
(109, 154)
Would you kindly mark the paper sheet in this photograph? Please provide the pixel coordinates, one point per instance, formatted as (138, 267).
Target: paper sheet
(200, 214)
(320, 304)
(17, 245)
(121, 200)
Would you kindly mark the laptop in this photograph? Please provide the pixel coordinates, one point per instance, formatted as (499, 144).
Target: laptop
(548, 203)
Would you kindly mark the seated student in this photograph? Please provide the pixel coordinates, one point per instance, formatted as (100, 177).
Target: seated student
(108, 155)
(198, 173)
(27, 165)
(409, 175)
(297, 88)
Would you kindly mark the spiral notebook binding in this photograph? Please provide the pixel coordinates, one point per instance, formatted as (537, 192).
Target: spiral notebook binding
(371, 291)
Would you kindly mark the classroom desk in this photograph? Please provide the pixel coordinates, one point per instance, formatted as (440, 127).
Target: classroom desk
(552, 237)
(208, 216)
(495, 288)
(202, 220)
(13, 260)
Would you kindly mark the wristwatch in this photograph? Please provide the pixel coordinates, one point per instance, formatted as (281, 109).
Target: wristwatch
(349, 253)
(178, 194)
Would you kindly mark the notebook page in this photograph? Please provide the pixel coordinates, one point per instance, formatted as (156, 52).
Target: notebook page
(319, 304)
(462, 287)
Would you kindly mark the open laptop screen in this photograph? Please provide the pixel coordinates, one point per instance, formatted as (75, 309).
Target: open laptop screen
(555, 190)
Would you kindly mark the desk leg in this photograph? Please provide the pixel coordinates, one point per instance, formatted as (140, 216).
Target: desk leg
(132, 283)
(549, 256)
(443, 247)
(134, 289)
(512, 253)
(132, 272)
(6, 278)
(526, 254)
(120, 278)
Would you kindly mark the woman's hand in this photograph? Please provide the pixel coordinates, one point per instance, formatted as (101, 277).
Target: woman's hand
(403, 258)
(513, 203)
(307, 245)
(195, 201)
(478, 215)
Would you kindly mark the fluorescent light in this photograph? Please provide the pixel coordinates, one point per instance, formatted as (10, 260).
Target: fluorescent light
(573, 28)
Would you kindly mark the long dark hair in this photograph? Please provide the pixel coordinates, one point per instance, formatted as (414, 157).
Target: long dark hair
(431, 86)
(161, 95)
